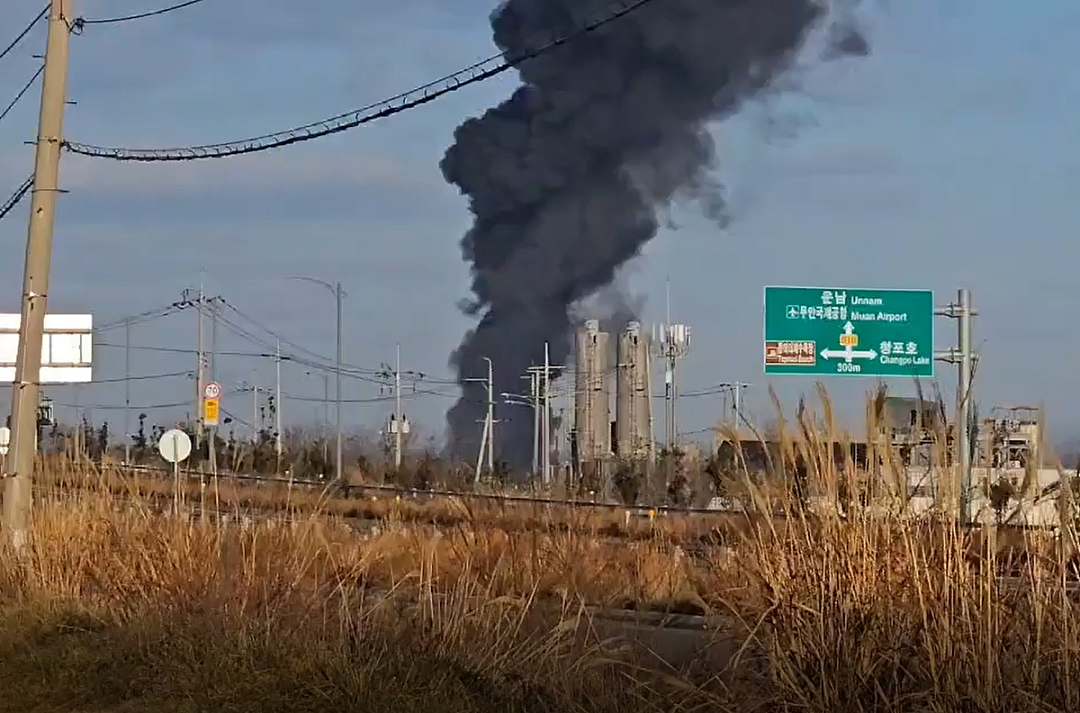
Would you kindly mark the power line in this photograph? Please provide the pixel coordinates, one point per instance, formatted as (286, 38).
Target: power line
(110, 407)
(149, 315)
(17, 196)
(181, 350)
(143, 377)
(82, 21)
(316, 360)
(473, 74)
(25, 32)
(22, 92)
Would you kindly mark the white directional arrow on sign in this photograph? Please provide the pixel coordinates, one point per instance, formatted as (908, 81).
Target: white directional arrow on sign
(848, 354)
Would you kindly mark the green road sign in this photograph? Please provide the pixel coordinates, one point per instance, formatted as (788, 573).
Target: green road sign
(838, 330)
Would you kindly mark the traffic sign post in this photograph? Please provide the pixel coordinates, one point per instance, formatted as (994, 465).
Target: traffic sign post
(175, 447)
(211, 418)
(211, 412)
(823, 331)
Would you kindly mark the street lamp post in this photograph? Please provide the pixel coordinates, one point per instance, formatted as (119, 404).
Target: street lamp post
(339, 294)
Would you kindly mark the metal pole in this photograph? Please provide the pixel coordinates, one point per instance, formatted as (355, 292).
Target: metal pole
(962, 356)
(963, 412)
(199, 377)
(176, 475)
(490, 416)
(277, 404)
(338, 462)
(546, 423)
(397, 406)
(534, 393)
(254, 412)
(673, 443)
(325, 417)
(213, 339)
(127, 392)
(18, 487)
(480, 454)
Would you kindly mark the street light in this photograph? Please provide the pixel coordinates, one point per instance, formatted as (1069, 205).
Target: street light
(338, 293)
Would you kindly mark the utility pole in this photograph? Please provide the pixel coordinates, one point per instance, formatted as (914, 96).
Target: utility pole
(545, 426)
(398, 424)
(213, 338)
(487, 436)
(397, 407)
(490, 416)
(736, 388)
(127, 392)
(277, 404)
(18, 487)
(254, 412)
(200, 375)
(534, 401)
(338, 462)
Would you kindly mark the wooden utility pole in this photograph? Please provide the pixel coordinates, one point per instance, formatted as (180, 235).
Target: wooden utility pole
(25, 390)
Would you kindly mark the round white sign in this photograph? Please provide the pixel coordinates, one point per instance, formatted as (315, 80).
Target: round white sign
(174, 445)
(212, 390)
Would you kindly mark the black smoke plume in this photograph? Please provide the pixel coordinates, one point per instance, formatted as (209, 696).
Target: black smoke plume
(565, 177)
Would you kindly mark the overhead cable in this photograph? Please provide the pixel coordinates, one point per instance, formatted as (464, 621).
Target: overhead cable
(473, 74)
(22, 92)
(141, 377)
(16, 197)
(24, 33)
(147, 316)
(82, 21)
(115, 407)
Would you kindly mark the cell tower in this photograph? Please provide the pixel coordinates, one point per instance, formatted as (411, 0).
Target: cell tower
(592, 393)
(671, 342)
(633, 410)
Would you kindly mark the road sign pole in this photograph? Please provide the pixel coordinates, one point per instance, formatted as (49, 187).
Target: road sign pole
(962, 356)
(963, 416)
(176, 475)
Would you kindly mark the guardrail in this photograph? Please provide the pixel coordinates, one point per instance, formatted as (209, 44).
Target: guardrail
(359, 490)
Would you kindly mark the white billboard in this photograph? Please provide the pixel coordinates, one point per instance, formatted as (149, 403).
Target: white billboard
(66, 352)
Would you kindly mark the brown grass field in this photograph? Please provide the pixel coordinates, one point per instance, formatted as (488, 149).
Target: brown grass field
(118, 608)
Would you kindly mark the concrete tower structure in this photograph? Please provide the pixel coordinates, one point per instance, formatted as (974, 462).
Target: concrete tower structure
(633, 408)
(592, 392)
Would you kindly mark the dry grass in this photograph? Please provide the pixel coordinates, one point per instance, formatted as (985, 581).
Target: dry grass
(122, 609)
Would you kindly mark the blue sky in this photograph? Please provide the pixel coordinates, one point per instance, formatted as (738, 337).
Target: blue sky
(944, 159)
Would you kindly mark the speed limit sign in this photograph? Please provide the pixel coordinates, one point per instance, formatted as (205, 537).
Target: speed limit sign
(212, 390)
